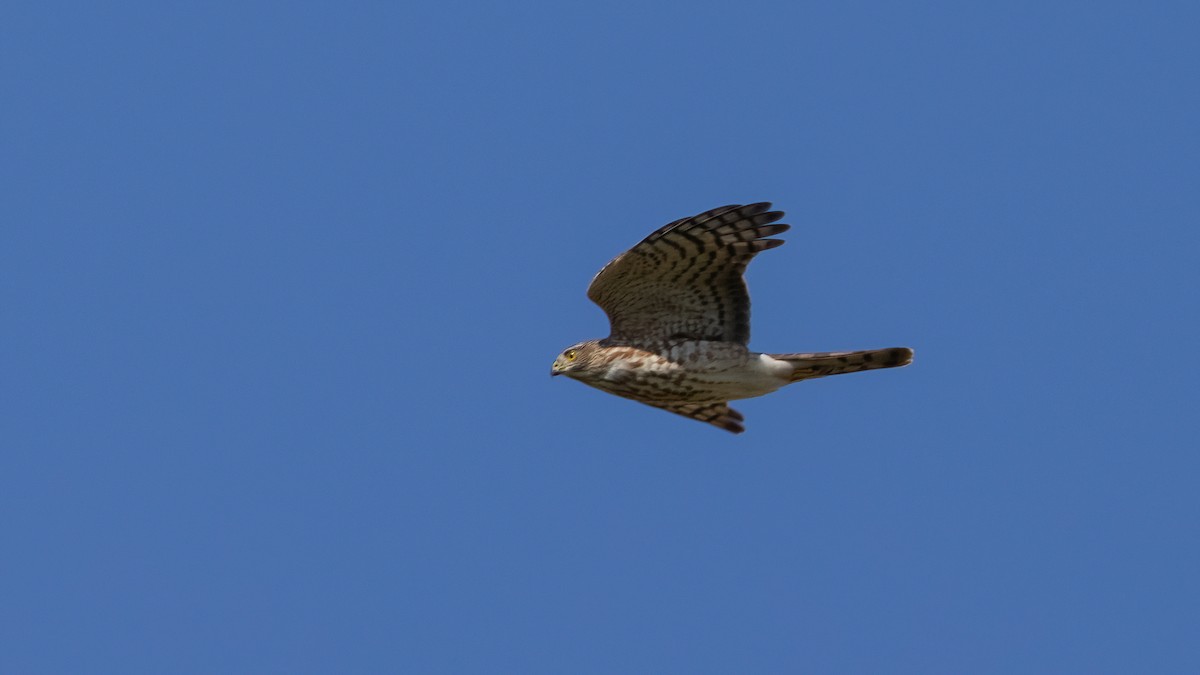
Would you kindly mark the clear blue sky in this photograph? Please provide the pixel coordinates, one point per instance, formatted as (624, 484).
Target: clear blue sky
(281, 285)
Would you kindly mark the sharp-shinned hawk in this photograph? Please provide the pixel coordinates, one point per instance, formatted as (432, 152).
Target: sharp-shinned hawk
(680, 319)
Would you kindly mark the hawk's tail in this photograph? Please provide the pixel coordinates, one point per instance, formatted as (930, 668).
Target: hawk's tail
(808, 366)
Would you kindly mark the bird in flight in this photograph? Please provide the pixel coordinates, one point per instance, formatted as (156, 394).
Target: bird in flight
(680, 320)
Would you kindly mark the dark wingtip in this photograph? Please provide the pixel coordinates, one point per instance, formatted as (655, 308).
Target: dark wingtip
(899, 356)
(732, 421)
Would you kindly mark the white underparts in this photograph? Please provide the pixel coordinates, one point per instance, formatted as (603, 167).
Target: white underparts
(707, 371)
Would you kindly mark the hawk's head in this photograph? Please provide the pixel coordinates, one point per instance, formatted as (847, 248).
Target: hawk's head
(576, 360)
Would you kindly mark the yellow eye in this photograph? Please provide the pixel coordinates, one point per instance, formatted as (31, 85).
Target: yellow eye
(570, 355)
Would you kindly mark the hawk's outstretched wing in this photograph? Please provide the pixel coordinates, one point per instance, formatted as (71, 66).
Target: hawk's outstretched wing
(717, 414)
(685, 280)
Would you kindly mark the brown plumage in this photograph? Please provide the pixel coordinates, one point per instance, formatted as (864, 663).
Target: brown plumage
(680, 321)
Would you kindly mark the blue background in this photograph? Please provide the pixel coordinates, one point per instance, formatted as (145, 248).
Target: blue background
(281, 285)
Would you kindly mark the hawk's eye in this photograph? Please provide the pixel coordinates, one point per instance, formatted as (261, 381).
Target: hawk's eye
(570, 354)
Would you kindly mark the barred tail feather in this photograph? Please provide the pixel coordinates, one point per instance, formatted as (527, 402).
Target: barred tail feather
(808, 366)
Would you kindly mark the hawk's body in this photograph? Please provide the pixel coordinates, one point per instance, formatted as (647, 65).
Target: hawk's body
(688, 370)
(680, 317)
